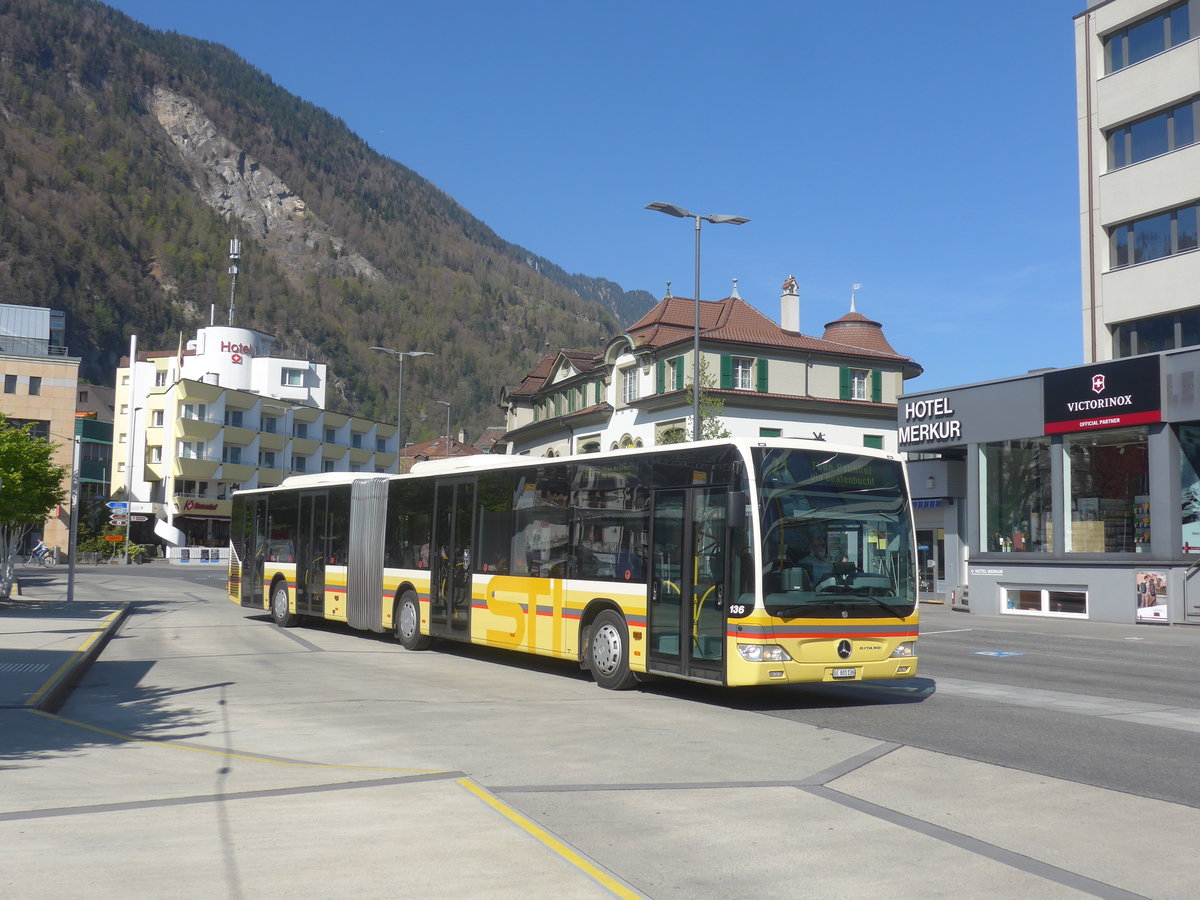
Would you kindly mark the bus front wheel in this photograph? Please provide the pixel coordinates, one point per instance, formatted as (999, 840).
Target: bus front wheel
(608, 652)
(280, 606)
(407, 622)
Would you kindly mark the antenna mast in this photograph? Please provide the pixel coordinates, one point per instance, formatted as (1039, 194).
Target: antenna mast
(235, 254)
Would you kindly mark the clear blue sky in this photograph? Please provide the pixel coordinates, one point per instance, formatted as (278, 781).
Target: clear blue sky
(926, 150)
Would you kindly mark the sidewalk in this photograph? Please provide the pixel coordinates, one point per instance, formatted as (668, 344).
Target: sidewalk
(48, 642)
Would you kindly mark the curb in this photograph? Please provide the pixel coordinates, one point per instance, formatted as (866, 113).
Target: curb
(54, 696)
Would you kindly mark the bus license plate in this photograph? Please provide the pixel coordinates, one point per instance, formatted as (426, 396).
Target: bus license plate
(844, 673)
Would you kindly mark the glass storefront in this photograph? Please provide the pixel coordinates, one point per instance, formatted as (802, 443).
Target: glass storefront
(1189, 486)
(1108, 483)
(1016, 496)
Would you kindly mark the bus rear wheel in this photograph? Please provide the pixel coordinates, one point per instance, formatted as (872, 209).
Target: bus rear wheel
(280, 606)
(407, 623)
(608, 652)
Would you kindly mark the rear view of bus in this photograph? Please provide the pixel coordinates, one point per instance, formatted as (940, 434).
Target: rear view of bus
(835, 580)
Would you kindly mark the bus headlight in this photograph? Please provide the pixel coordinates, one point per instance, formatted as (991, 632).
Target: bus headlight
(763, 653)
(908, 648)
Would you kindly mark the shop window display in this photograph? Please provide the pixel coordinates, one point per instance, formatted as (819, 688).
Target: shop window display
(1016, 496)
(1189, 484)
(1109, 488)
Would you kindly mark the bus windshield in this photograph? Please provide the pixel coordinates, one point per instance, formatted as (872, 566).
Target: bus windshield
(836, 534)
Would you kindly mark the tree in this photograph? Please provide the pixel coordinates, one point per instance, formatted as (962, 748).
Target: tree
(31, 484)
(712, 408)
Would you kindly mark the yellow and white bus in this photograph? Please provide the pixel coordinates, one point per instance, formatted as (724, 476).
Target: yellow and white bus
(730, 562)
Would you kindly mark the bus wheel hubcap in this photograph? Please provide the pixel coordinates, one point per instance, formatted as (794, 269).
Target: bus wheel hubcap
(606, 649)
(408, 620)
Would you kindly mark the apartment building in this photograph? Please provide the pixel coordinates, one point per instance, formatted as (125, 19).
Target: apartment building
(218, 414)
(1138, 83)
(39, 390)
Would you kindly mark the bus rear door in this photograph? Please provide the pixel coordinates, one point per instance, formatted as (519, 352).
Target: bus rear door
(450, 566)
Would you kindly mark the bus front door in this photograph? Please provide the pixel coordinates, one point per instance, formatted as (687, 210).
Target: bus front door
(450, 566)
(688, 583)
(310, 555)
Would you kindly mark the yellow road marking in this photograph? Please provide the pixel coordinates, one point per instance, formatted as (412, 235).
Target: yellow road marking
(549, 840)
(66, 666)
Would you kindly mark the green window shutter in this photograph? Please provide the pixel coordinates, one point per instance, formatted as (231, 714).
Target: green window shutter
(726, 372)
(874, 441)
(660, 377)
(844, 385)
(679, 372)
(599, 395)
(762, 376)
(570, 400)
(877, 386)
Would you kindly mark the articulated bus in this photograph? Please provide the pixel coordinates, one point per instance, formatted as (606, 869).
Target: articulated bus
(730, 562)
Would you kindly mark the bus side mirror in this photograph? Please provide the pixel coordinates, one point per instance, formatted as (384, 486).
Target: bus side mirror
(735, 509)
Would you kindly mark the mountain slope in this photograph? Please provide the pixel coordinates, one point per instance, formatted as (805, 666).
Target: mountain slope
(129, 157)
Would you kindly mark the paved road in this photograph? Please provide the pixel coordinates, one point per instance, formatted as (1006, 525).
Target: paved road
(209, 753)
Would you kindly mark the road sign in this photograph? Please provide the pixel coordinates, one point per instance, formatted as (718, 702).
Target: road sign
(118, 520)
(138, 519)
(117, 504)
(114, 537)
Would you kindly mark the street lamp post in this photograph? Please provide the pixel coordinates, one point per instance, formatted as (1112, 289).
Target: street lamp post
(400, 354)
(447, 405)
(680, 213)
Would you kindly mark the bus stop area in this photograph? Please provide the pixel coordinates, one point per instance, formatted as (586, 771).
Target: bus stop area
(861, 815)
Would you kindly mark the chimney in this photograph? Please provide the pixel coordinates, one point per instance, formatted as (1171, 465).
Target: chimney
(789, 306)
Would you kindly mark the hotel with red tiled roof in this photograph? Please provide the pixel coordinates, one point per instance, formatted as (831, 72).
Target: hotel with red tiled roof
(765, 378)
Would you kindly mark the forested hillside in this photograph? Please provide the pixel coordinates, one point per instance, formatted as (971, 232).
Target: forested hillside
(129, 158)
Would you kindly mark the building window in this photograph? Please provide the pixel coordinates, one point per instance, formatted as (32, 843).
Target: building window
(356, 441)
(330, 435)
(232, 455)
(156, 418)
(629, 384)
(1146, 37)
(191, 449)
(1153, 237)
(1152, 136)
(873, 441)
(743, 370)
(195, 411)
(156, 454)
(859, 384)
(266, 459)
(1155, 333)
(380, 445)
(10, 384)
(35, 386)
(327, 465)
(121, 438)
(300, 430)
(299, 463)
(233, 417)
(270, 424)
(292, 377)
(160, 378)
(1045, 601)
(1108, 483)
(1016, 496)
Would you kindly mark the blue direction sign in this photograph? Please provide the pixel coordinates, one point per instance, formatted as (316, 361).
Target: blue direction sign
(117, 504)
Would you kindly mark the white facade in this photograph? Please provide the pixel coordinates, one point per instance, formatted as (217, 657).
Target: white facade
(193, 426)
(1138, 87)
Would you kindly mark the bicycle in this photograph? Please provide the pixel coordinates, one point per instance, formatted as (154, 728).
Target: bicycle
(45, 561)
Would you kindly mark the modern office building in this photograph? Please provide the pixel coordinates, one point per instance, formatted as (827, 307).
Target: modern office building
(1138, 82)
(771, 379)
(1076, 492)
(40, 382)
(218, 414)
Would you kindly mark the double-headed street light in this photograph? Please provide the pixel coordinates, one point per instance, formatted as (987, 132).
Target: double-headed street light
(400, 354)
(680, 213)
(447, 405)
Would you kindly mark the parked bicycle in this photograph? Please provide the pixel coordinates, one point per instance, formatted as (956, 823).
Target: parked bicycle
(45, 560)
